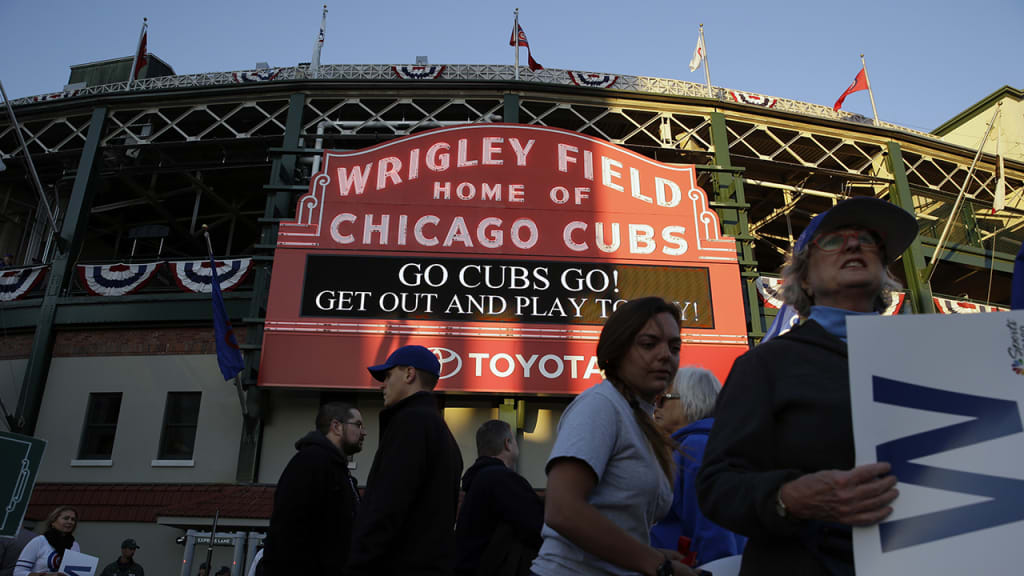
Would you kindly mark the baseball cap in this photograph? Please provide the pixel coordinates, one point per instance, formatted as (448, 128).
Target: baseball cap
(416, 356)
(896, 226)
(129, 543)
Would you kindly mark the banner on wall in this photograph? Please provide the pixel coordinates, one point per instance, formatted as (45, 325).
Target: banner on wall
(501, 247)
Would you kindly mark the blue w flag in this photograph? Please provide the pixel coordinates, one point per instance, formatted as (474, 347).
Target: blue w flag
(229, 357)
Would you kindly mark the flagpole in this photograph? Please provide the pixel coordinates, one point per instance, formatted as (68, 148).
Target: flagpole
(956, 205)
(707, 68)
(870, 92)
(515, 33)
(135, 59)
(314, 65)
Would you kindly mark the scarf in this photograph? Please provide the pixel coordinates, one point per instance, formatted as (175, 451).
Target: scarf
(59, 540)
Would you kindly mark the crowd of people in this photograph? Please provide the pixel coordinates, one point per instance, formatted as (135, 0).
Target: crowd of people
(656, 470)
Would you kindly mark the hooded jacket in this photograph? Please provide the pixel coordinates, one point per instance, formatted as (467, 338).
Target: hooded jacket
(314, 506)
(495, 495)
(406, 521)
(708, 540)
(784, 411)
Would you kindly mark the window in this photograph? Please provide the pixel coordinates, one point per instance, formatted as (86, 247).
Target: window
(100, 426)
(181, 418)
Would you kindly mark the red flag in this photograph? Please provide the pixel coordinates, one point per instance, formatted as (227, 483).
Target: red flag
(534, 65)
(859, 83)
(140, 54)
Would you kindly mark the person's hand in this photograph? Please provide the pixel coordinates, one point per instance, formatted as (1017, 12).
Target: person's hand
(857, 497)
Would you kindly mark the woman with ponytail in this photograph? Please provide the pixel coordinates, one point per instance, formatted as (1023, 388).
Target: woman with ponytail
(610, 470)
(43, 554)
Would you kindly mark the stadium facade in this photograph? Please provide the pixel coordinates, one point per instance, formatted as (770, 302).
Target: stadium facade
(107, 348)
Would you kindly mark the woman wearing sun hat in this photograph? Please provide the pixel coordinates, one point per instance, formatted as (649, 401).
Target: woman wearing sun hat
(779, 464)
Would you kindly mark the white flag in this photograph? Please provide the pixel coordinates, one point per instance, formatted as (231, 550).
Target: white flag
(314, 66)
(999, 202)
(698, 54)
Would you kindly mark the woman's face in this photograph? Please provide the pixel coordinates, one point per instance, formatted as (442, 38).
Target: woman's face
(652, 361)
(65, 522)
(849, 277)
(668, 412)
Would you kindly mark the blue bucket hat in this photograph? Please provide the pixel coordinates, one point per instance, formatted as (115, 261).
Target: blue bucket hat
(416, 356)
(895, 225)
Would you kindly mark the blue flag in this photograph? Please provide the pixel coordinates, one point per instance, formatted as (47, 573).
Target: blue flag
(229, 357)
(784, 321)
(1017, 284)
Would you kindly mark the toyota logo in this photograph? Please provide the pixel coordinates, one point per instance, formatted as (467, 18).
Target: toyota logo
(451, 362)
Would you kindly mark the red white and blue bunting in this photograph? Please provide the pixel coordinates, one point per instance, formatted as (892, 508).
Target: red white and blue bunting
(592, 80)
(16, 282)
(768, 291)
(950, 306)
(196, 276)
(431, 72)
(264, 75)
(116, 279)
(753, 99)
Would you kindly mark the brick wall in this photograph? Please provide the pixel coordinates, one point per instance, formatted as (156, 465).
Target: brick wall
(138, 341)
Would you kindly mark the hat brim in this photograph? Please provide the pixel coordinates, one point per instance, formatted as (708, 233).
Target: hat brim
(379, 372)
(896, 226)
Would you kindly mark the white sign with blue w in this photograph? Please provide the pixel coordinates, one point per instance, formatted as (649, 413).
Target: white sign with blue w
(939, 398)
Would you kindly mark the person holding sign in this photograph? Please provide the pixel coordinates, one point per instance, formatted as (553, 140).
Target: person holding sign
(610, 470)
(779, 464)
(43, 554)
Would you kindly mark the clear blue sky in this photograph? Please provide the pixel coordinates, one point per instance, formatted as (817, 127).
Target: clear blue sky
(927, 59)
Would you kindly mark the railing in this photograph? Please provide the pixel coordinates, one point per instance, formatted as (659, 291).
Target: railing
(399, 72)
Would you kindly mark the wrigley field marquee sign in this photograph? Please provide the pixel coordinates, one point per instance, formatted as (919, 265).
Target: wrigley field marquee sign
(501, 247)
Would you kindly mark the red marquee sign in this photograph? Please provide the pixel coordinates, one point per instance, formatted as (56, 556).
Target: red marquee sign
(503, 248)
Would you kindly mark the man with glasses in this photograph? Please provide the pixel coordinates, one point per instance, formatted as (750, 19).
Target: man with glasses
(407, 519)
(316, 498)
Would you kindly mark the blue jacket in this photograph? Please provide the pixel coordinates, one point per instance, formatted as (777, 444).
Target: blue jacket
(708, 539)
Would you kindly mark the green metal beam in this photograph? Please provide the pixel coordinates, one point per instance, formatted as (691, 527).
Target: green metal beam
(968, 255)
(511, 111)
(280, 204)
(76, 219)
(731, 204)
(913, 258)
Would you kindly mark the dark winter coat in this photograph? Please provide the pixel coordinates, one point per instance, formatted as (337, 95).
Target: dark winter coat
(406, 522)
(783, 412)
(495, 495)
(314, 506)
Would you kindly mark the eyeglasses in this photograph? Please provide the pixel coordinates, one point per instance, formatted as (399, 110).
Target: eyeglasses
(360, 425)
(836, 241)
(659, 402)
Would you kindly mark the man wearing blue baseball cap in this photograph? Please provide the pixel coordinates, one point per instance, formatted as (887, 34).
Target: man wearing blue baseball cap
(406, 522)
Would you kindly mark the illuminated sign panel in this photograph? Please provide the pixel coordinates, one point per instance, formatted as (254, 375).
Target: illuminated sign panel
(501, 247)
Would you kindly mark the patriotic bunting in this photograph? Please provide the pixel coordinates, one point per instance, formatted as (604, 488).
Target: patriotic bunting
(592, 80)
(753, 99)
(257, 76)
(16, 282)
(116, 279)
(768, 292)
(196, 275)
(54, 96)
(950, 306)
(431, 72)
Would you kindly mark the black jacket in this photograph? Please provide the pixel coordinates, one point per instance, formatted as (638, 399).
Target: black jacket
(406, 521)
(783, 412)
(495, 495)
(314, 507)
